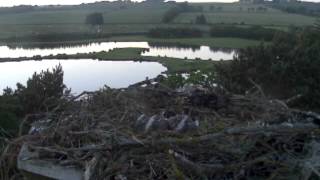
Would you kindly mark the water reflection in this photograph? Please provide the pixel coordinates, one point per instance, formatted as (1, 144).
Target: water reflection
(203, 53)
(225, 50)
(7, 52)
(82, 75)
(155, 49)
(173, 45)
(47, 45)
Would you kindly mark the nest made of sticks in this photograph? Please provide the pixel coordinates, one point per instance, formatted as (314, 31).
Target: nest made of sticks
(235, 137)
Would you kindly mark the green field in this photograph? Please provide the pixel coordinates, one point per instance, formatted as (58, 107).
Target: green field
(139, 18)
(237, 13)
(122, 13)
(264, 19)
(20, 30)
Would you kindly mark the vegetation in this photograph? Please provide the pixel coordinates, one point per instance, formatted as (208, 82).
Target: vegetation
(10, 111)
(119, 54)
(193, 126)
(299, 7)
(54, 37)
(175, 65)
(172, 13)
(94, 19)
(214, 42)
(115, 54)
(246, 14)
(119, 17)
(203, 77)
(177, 125)
(253, 32)
(42, 93)
(66, 23)
(286, 68)
(201, 19)
(175, 33)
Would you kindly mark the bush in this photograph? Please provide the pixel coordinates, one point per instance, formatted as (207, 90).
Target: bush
(9, 122)
(10, 110)
(95, 19)
(172, 13)
(254, 32)
(201, 19)
(175, 32)
(288, 67)
(42, 92)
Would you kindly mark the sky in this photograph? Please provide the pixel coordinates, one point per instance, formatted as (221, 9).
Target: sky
(8, 3)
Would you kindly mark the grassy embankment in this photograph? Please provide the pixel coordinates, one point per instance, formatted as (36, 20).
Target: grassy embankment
(138, 18)
(214, 42)
(174, 65)
(205, 41)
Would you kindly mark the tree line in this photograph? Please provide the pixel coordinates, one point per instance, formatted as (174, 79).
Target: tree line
(175, 33)
(253, 32)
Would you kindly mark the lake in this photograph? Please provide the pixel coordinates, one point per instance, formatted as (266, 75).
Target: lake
(90, 75)
(202, 52)
(82, 75)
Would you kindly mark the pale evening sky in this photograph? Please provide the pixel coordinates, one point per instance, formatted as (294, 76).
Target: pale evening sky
(62, 2)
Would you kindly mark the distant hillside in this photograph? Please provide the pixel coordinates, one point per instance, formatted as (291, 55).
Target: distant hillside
(114, 12)
(298, 7)
(132, 18)
(246, 14)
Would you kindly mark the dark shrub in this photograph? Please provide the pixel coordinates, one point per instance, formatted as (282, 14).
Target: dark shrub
(254, 32)
(288, 67)
(201, 19)
(42, 91)
(175, 32)
(95, 19)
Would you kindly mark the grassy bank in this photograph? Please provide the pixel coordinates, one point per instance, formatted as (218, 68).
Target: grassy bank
(203, 41)
(174, 65)
(119, 54)
(214, 42)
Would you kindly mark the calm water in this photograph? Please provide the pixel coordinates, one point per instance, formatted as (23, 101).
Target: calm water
(82, 75)
(203, 52)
